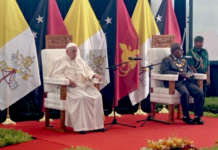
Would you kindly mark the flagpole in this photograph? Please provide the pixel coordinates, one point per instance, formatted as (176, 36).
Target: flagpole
(112, 114)
(183, 38)
(113, 111)
(164, 110)
(114, 122)
(8, 121)
(140, 111)
(43, 119)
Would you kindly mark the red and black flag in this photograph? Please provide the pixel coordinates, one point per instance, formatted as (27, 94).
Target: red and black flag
(167, 22)
(46, 20)
(122, 42)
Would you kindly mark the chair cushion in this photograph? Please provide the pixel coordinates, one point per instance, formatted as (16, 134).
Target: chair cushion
(161, 95)
(53, 101)
(200, 76)
(165, 77)
(155, 55)
(163, 90)
(53, 95)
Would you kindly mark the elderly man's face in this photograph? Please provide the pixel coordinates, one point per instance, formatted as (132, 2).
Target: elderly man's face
(72, 52)
(199, 44)
(178, 53)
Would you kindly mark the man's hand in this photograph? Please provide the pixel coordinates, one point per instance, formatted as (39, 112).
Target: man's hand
(185, 75)
(72, 83)
(208, 81)
(97, 76)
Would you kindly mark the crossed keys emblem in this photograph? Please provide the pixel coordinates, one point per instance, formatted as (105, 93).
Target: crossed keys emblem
(21, 66)
(142, 76)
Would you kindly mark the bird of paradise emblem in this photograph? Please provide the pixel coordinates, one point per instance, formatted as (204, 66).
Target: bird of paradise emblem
(127, 52)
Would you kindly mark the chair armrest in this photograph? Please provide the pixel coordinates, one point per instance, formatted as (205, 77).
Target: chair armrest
(58, 81)
(164, 77)
(200, 76)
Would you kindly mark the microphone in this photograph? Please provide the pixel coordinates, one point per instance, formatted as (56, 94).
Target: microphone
(134, 58)
(186, 57)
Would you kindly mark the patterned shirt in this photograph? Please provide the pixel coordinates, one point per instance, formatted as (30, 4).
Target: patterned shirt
(200, 59)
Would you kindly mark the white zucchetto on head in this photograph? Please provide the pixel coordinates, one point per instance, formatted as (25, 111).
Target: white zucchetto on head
(70, 45)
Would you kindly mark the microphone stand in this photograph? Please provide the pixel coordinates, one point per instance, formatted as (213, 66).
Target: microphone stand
(114, 122)
(149, 118)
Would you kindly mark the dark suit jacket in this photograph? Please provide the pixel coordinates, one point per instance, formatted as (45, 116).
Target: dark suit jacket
(171, 66)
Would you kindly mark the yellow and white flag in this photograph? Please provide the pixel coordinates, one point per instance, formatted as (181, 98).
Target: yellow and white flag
(19, 73)
(145, 26)
(83, 25)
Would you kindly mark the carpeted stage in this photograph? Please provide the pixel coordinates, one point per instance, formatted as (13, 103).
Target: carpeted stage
(118, 137)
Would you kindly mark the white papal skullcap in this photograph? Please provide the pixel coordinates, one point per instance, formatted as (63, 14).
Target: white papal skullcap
(70, 45)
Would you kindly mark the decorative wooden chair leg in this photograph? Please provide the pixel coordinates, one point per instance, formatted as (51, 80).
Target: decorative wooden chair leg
(164, 110)
(43, 119)
(112, 113)
(47, 116)
(63, 127)
(8, 120)
(171, 113)
(63, 97)
(153, 110)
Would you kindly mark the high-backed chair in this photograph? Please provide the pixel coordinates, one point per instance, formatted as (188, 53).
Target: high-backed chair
(161, 94)
(54, 88)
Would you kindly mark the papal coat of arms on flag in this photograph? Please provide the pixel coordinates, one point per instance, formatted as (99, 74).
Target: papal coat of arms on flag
(19, 71)
(83, 25)
(145, 26)
(21, 67)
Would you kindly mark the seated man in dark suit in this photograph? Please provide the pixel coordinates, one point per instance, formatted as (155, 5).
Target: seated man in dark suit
(174, 64)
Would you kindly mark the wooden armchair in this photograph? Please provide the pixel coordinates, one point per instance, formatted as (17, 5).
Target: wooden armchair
(161, 94)
(55, 99)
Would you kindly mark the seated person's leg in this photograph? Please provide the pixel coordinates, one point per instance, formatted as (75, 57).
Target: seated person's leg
(184, 99)
(185, 103)
(198, 96)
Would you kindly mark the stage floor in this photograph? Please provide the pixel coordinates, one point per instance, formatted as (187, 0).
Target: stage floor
(118, 137)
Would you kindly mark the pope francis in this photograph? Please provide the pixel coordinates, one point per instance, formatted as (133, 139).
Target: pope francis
(84, 108)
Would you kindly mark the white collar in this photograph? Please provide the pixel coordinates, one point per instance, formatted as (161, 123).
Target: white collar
(68, 58)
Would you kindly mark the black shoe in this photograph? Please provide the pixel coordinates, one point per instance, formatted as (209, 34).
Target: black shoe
(82, 132)
(198, 120)
(188, 120)
(100, 130)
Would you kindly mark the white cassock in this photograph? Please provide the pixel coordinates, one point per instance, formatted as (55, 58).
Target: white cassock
(84, 108)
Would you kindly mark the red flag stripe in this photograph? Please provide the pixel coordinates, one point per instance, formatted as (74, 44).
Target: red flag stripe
(56, 24)
(171, 24)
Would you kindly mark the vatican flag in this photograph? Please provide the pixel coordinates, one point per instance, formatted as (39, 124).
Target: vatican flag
(19, 73)
(83, 25)
(145, 26)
